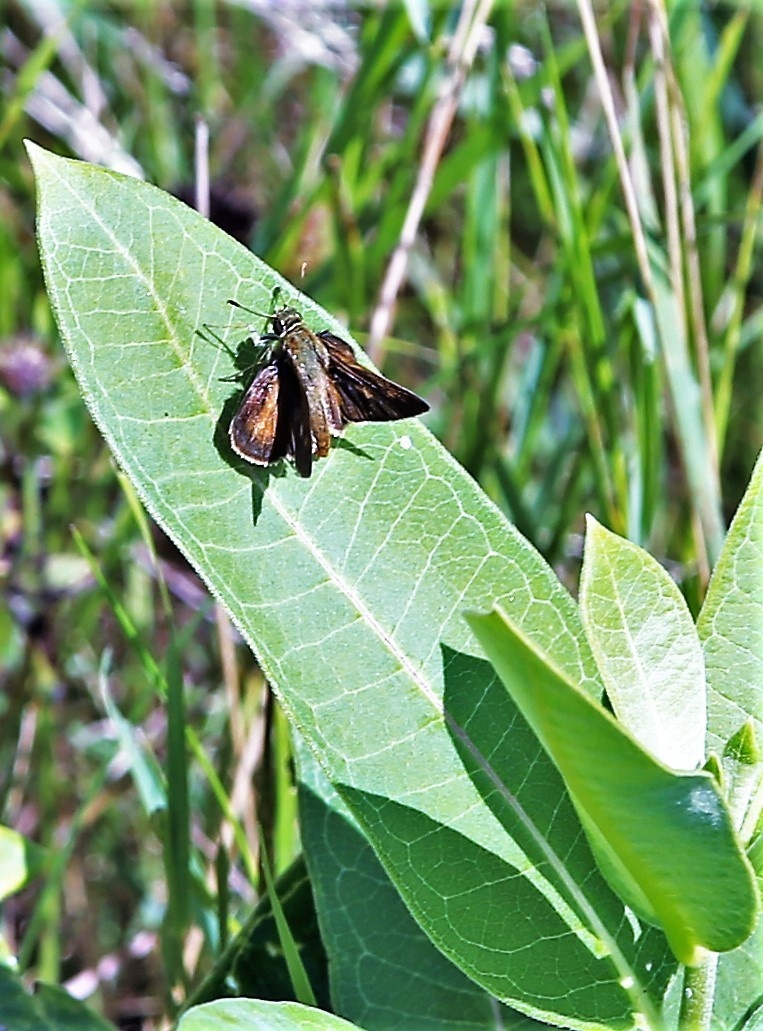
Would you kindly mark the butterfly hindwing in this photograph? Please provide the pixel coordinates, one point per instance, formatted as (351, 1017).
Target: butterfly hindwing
(301, 445)
(271, 422)
(253, 429)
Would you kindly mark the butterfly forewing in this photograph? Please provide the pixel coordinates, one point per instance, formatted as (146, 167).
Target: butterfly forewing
(366, 396)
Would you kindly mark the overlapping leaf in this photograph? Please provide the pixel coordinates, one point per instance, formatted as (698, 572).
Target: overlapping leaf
(646, 647)
(638, 814)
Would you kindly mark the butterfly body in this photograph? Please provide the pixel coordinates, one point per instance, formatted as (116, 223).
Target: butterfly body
(309, 389)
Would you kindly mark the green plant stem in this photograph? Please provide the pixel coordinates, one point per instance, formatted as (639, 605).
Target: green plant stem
(698, 995)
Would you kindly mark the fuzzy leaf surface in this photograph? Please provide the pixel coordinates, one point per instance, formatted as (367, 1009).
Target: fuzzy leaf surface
(350, 588)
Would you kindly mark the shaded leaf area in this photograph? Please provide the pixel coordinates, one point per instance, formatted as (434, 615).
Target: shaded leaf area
(49, 1009)
(348, 586)
(253, 965)
(385, 972)
(738, 984)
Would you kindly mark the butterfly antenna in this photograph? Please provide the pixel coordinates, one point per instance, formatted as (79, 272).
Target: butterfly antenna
(252, 311)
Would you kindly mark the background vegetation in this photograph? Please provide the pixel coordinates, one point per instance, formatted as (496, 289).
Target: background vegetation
(521, 316)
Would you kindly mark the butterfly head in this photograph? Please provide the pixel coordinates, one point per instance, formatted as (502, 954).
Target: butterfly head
(285, 320)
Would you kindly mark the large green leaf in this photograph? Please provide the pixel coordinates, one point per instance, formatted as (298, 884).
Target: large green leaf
(350, 586)
(665, 838)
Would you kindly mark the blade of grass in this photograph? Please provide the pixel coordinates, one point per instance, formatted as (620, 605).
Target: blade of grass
(473, 17)
(586, 337)
(299, 979)
(39, 926)
(702, 479)
(177, 850)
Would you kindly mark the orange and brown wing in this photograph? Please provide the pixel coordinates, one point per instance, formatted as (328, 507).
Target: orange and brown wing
(271, 420)
(253, 429)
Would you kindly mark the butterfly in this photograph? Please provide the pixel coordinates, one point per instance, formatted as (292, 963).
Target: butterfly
(310, 387)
